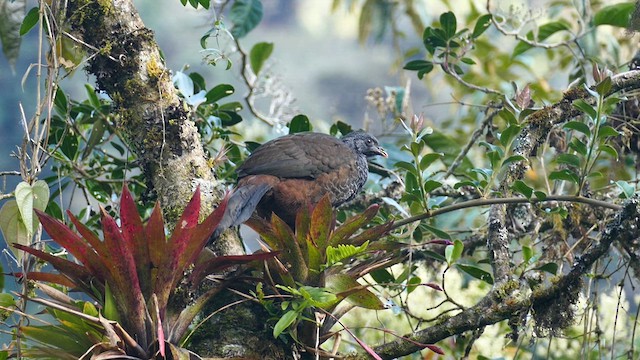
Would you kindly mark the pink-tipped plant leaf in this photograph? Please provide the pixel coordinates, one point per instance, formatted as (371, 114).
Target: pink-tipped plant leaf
(72, 242)
(219, 263)
(125, 287)
(353, 224)
(170, 272)
(156, 238)
(303, 224)
(77, 274)
(371, 234)
(202, 233)
(322, 222)
(134, 237)
(291, 252)
(263, 228)
(50, 278)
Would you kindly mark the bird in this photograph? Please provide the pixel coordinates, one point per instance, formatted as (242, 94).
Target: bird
(285, 174)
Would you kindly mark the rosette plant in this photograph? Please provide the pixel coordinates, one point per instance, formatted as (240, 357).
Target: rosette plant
(140, 279)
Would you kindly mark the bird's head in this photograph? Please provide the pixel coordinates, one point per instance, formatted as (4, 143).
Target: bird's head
(363, 143)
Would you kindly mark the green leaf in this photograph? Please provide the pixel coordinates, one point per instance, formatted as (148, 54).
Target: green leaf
(513, 158)
(627, 189)
(245, 16)
(437, 232)
(299, 123)
(570, 159)
(429, 159)
(609, 150)
(604, 86)
(522, 188)
(259, 53)
(417, 64)
(476, 272)
(382, 276)
(448, 23)
(30, 20)
(30, 197)
(508, 134)
(343, 252)
(579, 146)
(344, 286)
(551, 268)
(527, 253)
(431, 185)
(482, 24)
(7, 300)
(60, 102)
(544, 32)
(11, 15)
(616, 15)
(578, 126)
(453, 252)
(586, 108)
(564, 174)
(607, 131)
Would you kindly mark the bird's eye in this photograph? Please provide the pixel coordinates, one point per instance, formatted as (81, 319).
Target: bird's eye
(369, 141)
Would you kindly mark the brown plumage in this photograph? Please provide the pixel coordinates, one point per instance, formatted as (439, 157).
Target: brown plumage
(293, 171)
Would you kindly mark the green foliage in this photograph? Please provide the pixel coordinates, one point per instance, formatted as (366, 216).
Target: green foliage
(245, 16)
(11, 17)
(317, 254)
(259, 53)
(18, 222)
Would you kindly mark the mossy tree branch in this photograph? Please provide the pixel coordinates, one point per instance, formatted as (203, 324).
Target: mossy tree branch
(152, 118)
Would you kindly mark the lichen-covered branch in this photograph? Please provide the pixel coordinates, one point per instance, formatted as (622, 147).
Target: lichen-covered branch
(502, 302)
(151, 116)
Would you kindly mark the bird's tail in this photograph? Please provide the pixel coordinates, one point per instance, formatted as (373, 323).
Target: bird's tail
(241, 204)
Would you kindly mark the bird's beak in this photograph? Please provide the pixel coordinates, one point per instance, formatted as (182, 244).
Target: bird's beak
(378, 150)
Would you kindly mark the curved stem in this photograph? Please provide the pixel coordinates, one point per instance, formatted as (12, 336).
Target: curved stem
(511, 200)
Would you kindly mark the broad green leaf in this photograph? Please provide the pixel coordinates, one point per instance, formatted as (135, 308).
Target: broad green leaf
(522, 188)
(382, 276)
(513, 158)
(284, 322)
(604, 86)
(544, 32)
(449, 24)
(627, 189)
(609, 150)
(616, 15)
(570, 159)
(482, 24)
(607, 131)
(7, 300)
(245, 16)
(551, 268)
(476, 272)
(453, 252)
(527, 253)
(508, 134)
(13, 228)
(259, 53)
(300, 123)
(564, 174)
(30, 20)
(578, 126)
(429, 159)
(579, 146)
(431, 185)
(417, 64)
(11, 15)
(586, 108)
(345, 286)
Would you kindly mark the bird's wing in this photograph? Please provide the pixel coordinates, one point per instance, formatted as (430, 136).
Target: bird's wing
(305, 155)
